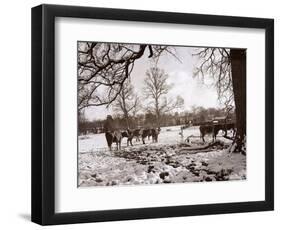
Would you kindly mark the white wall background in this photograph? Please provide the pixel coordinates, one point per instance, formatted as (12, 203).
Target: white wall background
(15, 114)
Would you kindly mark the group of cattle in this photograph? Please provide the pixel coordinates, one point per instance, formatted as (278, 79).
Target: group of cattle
(214, 129)
(117, 135)
(140, 134)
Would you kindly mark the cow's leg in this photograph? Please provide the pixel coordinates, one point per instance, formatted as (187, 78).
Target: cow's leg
(109, 140)
(203, 137)
(214, 136)
(110, 147)
(225, 132)
(118, 145)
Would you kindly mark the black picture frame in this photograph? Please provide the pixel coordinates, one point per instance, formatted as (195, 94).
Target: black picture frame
(43, 114)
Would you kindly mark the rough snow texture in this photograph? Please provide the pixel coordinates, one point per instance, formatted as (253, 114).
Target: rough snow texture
(171, 160)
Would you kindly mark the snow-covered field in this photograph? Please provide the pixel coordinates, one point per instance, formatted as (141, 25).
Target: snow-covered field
(171, 160)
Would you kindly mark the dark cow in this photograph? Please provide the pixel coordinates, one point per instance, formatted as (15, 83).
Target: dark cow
(145, 133)
(210, 129)
(217, 128)
(206, 129)
(130, 134)
(111, 137)
(149, 135)
(230, 127)
(136, 133)
(154, 134)
(214, 129)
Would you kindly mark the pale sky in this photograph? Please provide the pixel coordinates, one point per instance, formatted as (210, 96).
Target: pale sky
(180, 75)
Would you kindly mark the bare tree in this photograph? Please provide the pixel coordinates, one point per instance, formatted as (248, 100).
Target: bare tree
(157, 88)
(127, 103)
(228, 69)
(104, 67)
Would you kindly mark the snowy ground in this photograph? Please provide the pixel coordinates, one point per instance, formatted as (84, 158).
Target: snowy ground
(171, 160)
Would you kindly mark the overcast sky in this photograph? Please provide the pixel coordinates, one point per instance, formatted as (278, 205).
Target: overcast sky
(180, 75)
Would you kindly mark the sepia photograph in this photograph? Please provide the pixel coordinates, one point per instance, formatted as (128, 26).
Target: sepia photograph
(160, 114)
(141, 114)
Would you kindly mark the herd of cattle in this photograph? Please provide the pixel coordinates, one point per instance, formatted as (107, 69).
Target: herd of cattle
(140, 134)
(116, 136)
(214, 129)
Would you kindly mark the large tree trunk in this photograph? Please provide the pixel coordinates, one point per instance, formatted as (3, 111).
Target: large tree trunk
(127, 119)
(238, 72)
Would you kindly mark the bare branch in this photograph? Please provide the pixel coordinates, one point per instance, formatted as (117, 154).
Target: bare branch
(215, 63)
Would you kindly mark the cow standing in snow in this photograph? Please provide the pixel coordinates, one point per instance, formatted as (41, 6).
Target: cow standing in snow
(230, 127)
(208, 129)
(154, 134)
(129, 135)
(150, 133)
(145, 133)
(112, 134)
(214, 130)
(117, 138)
